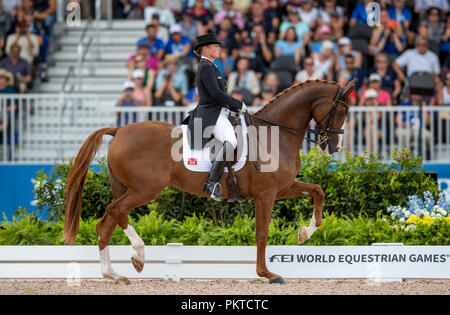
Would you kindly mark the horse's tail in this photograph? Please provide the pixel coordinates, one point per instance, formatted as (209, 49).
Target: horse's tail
(76, 179)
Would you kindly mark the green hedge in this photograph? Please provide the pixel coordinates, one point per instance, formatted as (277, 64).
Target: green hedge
(357, 184)
(27, 229)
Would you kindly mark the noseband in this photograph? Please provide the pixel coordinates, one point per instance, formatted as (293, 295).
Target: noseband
(324, 133)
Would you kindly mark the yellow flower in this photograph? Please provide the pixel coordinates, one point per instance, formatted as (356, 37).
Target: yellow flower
(428, 220)
(447, 219)
(413, 219)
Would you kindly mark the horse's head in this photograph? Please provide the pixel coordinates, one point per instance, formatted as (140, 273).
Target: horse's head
(330, 118)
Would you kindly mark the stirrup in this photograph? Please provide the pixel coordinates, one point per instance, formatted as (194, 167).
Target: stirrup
(214, 191)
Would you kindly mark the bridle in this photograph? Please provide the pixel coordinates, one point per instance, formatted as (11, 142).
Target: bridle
(324, 133)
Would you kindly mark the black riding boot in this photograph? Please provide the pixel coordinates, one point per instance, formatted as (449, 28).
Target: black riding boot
(211, 186)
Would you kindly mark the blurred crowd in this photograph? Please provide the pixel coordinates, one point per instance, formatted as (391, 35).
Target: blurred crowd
(270, 44)
(25, 33)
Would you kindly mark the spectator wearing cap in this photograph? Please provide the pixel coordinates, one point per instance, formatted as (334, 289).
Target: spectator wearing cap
(345, 47)
(155, 44)
(244, 77)
(359, 14)
(248, 51)
(388, 38)
(127, 100)
(308, 72)
(189, 27)
(141, 93)
(419, 59)
(178, 44)
(370, 98)
(423, 5)
(301, 28)
(323, 33)
(171, 84)
(19, 67)
(389, 80)
(323, 61)
(400, 14)
(309, 14)
(289, 46)
(204, 16)
(230, 12)
(384, 98)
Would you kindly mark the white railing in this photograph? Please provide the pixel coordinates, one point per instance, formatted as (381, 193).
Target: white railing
(47, 128)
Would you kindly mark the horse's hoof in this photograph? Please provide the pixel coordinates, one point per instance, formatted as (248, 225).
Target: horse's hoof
(302, 235)
(278, 280)
(138, 265)
(122, 280)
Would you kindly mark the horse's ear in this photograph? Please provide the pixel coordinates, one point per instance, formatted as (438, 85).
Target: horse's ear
(349, 88)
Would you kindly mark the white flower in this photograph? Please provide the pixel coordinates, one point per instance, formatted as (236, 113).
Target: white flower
(425, 212)
(402, 220)
(407, 214)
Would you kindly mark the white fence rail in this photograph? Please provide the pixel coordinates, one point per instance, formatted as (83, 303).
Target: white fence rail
(379, 263)
(47, 128)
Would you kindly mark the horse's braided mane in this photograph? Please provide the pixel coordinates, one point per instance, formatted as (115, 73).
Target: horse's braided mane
(291, 88)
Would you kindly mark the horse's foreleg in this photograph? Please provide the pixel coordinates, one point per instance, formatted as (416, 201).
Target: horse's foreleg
(263, 213)
(299, 189)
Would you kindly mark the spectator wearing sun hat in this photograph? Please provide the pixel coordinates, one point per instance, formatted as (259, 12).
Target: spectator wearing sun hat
(345, 47)
(178, 44)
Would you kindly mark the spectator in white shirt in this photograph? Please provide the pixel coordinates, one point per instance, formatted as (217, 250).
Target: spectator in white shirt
(308, 72)
(419, 59)
(28, 42)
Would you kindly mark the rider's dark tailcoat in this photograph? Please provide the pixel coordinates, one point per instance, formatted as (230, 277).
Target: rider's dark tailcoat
(212, 90)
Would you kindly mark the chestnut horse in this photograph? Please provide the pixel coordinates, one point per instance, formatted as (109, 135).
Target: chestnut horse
(140, 167)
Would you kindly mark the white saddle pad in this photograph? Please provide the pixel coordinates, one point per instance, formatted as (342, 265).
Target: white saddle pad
(199, 160)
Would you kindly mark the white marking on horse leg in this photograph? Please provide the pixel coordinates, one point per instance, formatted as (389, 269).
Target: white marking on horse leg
(312, 227)
(105, 265)
(138, 245)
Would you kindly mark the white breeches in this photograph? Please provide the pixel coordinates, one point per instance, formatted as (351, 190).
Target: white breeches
(223, 130)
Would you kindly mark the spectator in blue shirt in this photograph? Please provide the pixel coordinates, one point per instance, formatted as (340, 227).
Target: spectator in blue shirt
(359, 14)
(171, 84)
(399, 13)
(178, 44)
(389, 37)
(301, 28)
(156, 45)
(289, 46)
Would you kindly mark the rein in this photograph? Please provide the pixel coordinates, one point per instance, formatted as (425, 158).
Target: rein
(323, 133)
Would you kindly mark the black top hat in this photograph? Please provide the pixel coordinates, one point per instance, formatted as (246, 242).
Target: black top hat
(206, 39)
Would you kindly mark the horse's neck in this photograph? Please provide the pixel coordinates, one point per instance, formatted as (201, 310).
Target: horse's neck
(292, 110)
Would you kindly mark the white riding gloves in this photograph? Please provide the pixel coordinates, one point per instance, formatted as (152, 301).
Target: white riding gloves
(243, 108)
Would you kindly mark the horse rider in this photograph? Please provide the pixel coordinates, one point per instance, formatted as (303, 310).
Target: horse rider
(213, 106)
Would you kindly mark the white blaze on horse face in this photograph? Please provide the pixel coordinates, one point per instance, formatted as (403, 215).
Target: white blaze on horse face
(341, 136)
